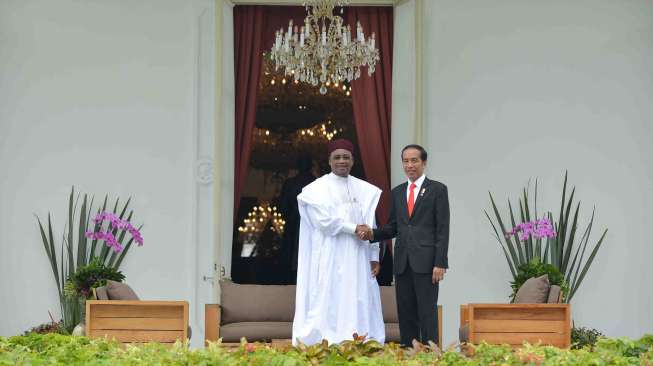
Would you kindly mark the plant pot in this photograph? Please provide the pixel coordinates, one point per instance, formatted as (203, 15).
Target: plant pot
(80, 329)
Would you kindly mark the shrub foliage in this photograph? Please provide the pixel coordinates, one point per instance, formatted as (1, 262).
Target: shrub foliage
(57, 349)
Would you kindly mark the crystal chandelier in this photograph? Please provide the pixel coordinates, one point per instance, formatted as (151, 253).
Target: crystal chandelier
(323, 51)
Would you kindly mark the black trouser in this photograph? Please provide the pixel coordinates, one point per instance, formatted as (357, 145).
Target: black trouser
(417, 299)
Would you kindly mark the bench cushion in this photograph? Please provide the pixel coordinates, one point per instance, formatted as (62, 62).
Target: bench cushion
(101, 293)
(392, 333)
(389, 304)
(256, 303)
(256, 331)
(554, 294)
(463, 333)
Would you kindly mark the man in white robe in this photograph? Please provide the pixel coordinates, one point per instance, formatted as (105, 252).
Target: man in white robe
(337, 292)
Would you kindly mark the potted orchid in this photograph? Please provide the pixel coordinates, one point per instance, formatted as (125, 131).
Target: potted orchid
(102, 240)
(560, 242)
(113, 235)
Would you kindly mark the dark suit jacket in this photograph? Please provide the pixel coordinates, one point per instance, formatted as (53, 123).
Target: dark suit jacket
(423, 238)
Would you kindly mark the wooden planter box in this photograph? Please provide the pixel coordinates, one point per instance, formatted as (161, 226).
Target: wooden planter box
(514, 324)
(137, 321)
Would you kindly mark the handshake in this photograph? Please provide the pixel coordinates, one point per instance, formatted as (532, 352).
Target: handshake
(364, 232)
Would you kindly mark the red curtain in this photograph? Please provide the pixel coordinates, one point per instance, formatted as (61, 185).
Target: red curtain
(254, 28)
(248, 46)
(372, 102)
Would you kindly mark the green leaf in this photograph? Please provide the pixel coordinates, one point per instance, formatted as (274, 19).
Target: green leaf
(550, 242)
(527, 213)
(115, 207)
(505, 252)
(526, 209)
(563, 235)
(81, 240)
(582, 243)
(560, 238)
(71, 213)
(97, 228)
(120, 239)
(587, 265)
(49, 250)
(535, 198)
(507, 239)
(64, 276)
(54, 254)
(582, 254)
(126, 249)
(104, 253)
(511, 264)
(124, 209)
(527, 246)
(520, 252)
(89, 253)
(570, 241)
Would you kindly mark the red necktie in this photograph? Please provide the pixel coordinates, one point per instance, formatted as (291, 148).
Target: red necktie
(411, 199)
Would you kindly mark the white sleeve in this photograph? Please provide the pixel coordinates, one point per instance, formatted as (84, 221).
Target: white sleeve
(374, 252)
(373, 249)
(320, 219)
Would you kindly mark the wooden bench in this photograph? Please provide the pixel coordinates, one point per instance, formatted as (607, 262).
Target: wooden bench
(514, 324)
(137, 321)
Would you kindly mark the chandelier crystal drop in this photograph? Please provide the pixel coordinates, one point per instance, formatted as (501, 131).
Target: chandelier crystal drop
(323, 50)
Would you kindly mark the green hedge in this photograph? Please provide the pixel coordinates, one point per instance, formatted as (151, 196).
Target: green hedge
(56, 349)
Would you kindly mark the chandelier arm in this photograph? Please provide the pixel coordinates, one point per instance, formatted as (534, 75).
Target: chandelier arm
(324, 52)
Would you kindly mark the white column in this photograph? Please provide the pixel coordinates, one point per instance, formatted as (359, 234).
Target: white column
(203, 188)
(224, 137)
(406, 83)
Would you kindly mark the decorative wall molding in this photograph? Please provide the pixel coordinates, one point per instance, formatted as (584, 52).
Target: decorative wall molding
(204, 165)
(204, 171)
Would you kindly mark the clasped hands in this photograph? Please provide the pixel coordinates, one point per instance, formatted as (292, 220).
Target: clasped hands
(364, 232)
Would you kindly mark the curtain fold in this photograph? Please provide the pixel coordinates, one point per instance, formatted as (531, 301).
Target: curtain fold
(248, 46)
(254, 27)
(372, 103)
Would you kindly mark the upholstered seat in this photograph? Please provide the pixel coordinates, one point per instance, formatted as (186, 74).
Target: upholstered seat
(262, 313)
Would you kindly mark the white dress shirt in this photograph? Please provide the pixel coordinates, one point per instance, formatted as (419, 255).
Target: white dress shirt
(418, 185)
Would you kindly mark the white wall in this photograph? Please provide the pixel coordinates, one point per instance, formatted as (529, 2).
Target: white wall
(524, 89)
(100, 95)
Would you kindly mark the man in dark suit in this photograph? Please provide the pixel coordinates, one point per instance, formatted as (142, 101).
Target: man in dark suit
(419, 219)
(288, 207)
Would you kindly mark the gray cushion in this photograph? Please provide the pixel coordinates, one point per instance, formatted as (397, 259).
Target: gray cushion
(256, 303)
(120, 291)
(554, 294)
(256, 331)
(392, 333)
(389, 304)
(534, 291)
(101, 293)
(463, 333)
